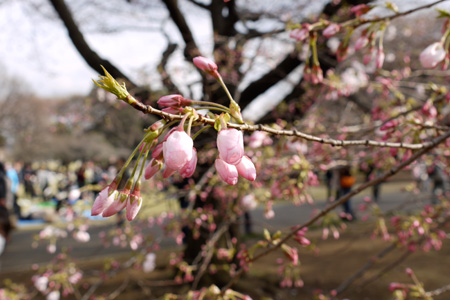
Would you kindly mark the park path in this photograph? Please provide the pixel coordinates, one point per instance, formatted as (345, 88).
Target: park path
(19, 255)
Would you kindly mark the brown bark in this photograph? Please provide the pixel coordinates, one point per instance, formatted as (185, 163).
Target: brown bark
(77, 38)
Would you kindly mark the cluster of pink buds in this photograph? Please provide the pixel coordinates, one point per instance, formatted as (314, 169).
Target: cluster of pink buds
(173, 103)
(177, 152)
(110, 201)
(231, 161)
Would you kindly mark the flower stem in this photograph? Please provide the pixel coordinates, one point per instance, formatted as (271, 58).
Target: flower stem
(200, 131)
(209, 103)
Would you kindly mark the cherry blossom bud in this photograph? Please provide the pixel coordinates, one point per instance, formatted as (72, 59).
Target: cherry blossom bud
(103, 201)
(206, 65)
(300, 34)
(331, 30)
(134, 204)
(379, 58)
(246, 168)
(173, 100)
(153, 167)
(230, 144)
(177, 150)
(432, 55)
(173, 110)
(227, 172)
(360, 9)
(361, 42)
(168, 172)
(118, 204)
(189, 168)
(316, 75)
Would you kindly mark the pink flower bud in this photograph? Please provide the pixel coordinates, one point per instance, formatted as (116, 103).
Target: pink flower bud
(331, 30)
(153, 167)
(206, 65)
(177, 150)
(230, 144)
(118, 204)
(432, 55)
(227, 172)
(360, 9)
(102, 201)
(300, 34)
(173, 110)
(246, 168)
(189, 168)
(173, 100)
(379, 58)
(361, 42)
(168, 172)
(134, 204)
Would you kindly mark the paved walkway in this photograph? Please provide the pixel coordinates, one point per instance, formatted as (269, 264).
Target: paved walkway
(19, 255)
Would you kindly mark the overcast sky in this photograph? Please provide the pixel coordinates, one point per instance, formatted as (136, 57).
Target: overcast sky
(35, 46)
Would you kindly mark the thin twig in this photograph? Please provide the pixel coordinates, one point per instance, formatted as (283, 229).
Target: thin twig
(340, 201)
(295, 133)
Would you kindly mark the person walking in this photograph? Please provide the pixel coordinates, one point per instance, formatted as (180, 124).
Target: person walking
(347, 180)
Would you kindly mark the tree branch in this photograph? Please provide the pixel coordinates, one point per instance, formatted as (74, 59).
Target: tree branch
(77, 38)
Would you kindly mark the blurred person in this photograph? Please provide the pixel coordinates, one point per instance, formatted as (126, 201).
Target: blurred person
(14, 180)
(5, 228)
(347, 180)
(439, 180)
(28, 176)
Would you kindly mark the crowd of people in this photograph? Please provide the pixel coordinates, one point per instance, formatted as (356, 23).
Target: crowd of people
(23, 186)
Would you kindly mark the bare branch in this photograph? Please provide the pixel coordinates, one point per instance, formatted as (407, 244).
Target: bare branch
(77, 38)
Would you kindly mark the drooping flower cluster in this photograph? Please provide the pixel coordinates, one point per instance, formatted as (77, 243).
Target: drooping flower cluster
(231, 161)
(176, 152)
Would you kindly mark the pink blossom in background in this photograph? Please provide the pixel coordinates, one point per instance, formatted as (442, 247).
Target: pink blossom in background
(432, 55)
(177, 150)
(54, 295)
(230, 143)
(227, 172)
(248, 202)
(149, 263)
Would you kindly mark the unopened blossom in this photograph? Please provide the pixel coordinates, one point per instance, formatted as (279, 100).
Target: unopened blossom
(189, 168)
(230, 143)
(134, 204)
(177, 149)
(246, 168)
(361, 42)
(379, 58)
(103, 201)
(432, 55)
(173, 101)
(300, 34)
(117, 205)
(227, 172)
(153, 167)
(331, 30)
(206, 65)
